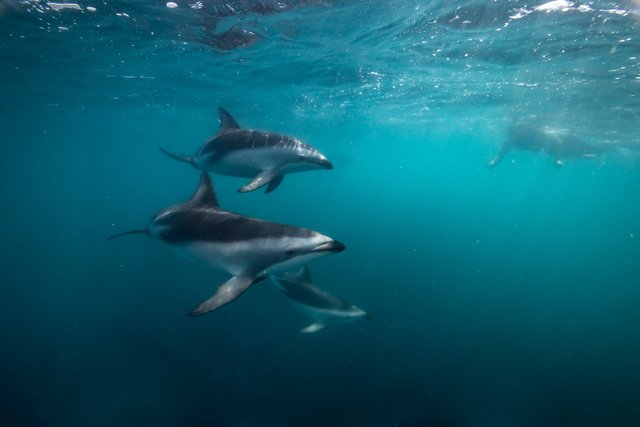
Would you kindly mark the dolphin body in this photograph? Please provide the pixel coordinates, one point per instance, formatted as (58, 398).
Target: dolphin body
(247, 248)
(264, 156)
(559, 145)
(320, 305)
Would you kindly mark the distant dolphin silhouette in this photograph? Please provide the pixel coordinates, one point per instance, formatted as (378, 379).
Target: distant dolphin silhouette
(264, 156)
(556, 144)
(320, 305)
(247, 248)
(233, 38)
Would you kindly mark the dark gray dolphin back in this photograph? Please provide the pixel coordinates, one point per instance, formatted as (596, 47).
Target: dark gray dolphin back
(201, 219)
(299, 287)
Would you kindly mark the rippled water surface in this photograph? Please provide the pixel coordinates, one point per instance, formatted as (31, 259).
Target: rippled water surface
(504, 296)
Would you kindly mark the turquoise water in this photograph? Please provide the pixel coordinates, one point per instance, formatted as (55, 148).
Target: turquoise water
(500, 297)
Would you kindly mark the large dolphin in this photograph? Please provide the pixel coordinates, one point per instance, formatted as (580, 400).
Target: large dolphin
(557, 144)
(318, 304)
(248, 249)
(264, 156)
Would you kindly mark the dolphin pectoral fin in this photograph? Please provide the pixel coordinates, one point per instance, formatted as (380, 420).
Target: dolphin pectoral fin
(226, 293)
(314, 327)
(260, 180)
(275, 182)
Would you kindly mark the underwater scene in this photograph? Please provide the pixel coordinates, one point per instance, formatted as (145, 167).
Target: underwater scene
(276, 213)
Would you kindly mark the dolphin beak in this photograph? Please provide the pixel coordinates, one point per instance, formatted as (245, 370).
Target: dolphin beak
(325, 163)
(332, 246)
(322, 161)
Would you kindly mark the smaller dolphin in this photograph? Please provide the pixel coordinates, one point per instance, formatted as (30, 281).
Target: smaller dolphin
(544, 140)
(321, 306)
(264, 156)
(248, 249)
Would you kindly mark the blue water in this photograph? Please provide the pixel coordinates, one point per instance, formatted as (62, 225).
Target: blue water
(500, 297)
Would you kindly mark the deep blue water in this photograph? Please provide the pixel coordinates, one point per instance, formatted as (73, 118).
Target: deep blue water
(500, 297)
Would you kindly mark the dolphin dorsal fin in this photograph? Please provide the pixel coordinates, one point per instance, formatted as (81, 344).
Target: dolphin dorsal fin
(204, 195)
(226, 121)
(301, 275)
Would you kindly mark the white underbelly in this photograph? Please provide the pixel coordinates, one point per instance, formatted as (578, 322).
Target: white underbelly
(258, 257)
(249, 163)
(234, 258)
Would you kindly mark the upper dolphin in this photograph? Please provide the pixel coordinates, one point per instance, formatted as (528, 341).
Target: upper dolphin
(264, 156)
(248, 249)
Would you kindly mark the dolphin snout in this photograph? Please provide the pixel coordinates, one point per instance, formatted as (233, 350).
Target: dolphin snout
(324, 163)
(327, 164)
(337, 246)
(331, 246)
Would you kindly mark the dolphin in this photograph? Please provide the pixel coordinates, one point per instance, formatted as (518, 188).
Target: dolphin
(321, 306)
(234, 38)
(545, 140)
(248, 249)
(263, 156)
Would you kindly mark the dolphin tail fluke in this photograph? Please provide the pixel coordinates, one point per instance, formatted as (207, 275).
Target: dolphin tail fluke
(226, 293)
(178, 157)
(127, 233)
(314, 327)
